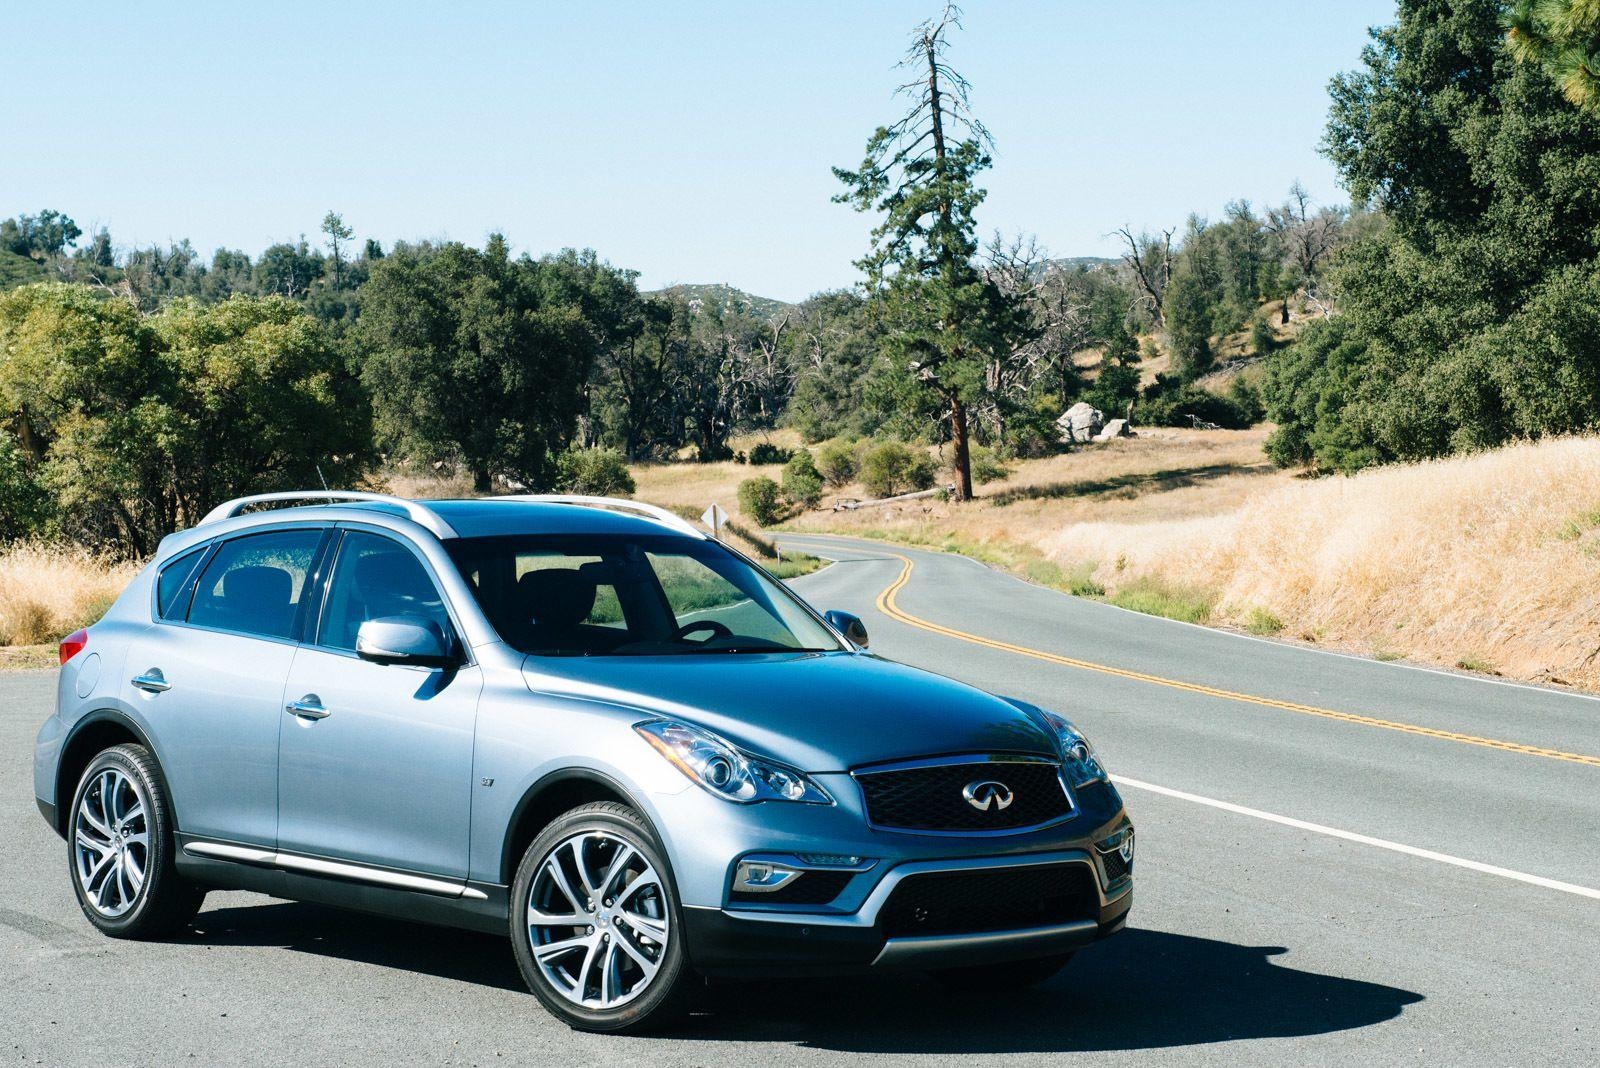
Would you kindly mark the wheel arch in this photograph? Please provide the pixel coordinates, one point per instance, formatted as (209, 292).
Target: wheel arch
(549, 797)
(91, 735)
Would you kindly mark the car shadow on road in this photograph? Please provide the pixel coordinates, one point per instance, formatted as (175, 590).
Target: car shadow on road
(1140, 990)
(464, 956)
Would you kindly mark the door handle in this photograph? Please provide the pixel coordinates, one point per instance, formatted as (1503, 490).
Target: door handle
(152, 681)
(308, 707)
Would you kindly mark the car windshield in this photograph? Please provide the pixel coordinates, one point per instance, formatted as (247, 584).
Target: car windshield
(619, 595)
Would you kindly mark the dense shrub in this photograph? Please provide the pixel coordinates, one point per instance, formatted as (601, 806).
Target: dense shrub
(892, 467)
(836, 462)
(802, 483)
(761, 500)
(765, 452)
(596, 472)
(1168, 404)
(987, 465)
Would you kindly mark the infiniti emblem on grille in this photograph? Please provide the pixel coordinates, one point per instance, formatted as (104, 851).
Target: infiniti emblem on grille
(980, 795)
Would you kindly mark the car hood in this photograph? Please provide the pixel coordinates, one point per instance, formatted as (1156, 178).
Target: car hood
(821, 712)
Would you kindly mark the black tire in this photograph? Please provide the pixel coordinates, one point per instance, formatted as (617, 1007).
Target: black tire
(1001, 978)
(163, 901)
(664, 999)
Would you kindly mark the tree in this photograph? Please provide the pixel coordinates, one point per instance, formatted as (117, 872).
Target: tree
(1465, 321)
(333, 225)
(1305, 240)
(475, 358)
(1150, 261)
(137, 425)
(1564, 37)
(944, 319)
(39, 237)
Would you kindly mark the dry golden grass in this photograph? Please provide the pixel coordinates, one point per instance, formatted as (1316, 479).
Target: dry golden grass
(1161, 474)
(47, 592)
(1488, 562)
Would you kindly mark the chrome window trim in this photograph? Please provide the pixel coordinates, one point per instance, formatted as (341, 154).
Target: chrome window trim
(975, 759)
(867, 914)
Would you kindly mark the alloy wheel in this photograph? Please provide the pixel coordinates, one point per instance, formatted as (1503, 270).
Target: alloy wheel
(111, 842)
(597, 920)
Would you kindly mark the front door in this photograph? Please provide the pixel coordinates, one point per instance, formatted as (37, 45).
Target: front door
(375, 760)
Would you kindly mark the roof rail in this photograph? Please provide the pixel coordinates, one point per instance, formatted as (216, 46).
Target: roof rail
(416, 512)
(614, 504)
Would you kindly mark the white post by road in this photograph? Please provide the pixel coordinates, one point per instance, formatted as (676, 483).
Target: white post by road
(714, 517)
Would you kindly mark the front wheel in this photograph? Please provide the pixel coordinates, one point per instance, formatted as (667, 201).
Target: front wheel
(120, 845)
(595, 923)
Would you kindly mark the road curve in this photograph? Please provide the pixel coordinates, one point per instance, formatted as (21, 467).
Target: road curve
(1432, 832)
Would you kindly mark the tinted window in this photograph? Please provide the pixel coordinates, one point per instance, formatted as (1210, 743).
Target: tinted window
(376, 577)
(171, 582)
(609, 595)
(254, 584)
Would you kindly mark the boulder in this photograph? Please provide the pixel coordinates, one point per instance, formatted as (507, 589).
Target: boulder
(1081, 422)
(1117, 428)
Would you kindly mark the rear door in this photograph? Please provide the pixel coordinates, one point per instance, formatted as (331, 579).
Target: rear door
(208, 677)
(376, 768)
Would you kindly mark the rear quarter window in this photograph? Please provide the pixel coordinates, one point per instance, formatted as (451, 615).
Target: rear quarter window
(172, 580)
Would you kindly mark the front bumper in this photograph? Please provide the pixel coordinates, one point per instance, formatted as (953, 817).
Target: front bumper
(743, 942)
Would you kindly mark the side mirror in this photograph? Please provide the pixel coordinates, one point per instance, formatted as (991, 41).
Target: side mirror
(848, 625)
(404, 640)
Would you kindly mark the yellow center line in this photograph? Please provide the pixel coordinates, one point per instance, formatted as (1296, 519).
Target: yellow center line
(887, 605)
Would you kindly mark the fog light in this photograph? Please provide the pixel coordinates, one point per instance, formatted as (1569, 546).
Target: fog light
(762, 876)
(1125, 850)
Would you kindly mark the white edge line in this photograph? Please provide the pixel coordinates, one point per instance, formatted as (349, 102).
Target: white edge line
(1351, 836)
(1281, 643)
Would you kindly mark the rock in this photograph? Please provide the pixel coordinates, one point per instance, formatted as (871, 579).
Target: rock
(1117, 428)
(1080, 423)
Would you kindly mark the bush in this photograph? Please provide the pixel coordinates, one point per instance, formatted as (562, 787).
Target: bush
(892, 467)
(1167, 403)
(765, 452)
(802, 483)
(595, 472)
(1261, 338)
(836, 461)
(761, 500)
(986, 465)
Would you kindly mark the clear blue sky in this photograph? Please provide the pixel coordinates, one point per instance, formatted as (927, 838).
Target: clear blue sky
(688, 140)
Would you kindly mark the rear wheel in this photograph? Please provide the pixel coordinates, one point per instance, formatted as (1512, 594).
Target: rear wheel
(120, 846)
(595, 923)
(999, 978)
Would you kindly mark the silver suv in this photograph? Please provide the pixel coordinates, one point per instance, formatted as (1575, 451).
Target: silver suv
(577, 721)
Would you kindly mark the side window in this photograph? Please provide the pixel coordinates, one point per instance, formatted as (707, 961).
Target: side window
(171, 582)
(254, 584)
(375, 577)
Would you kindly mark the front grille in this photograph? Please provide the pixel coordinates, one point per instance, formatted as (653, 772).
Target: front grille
(930, 798)
(968, 902)
(812, 888)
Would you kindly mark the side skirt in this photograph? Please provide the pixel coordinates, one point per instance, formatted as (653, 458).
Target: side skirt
(316, 880)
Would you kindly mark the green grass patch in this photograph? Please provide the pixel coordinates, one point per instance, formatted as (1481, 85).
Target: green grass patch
(1262, 622)
(1157, 598)
(1387, 656)
(793, 565)
(1473, 662)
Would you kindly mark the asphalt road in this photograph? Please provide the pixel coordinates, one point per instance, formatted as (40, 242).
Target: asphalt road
(1262, 933)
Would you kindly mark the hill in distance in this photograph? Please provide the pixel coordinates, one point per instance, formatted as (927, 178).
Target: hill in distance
(719, 297)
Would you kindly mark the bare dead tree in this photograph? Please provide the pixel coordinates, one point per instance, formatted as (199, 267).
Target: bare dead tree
(1306, 238)
(1150, 260)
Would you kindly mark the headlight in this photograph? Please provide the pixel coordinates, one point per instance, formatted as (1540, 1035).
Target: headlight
(725, 771)
(1078, 757)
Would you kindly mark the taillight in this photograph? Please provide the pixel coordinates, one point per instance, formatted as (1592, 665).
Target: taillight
(73, 644)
